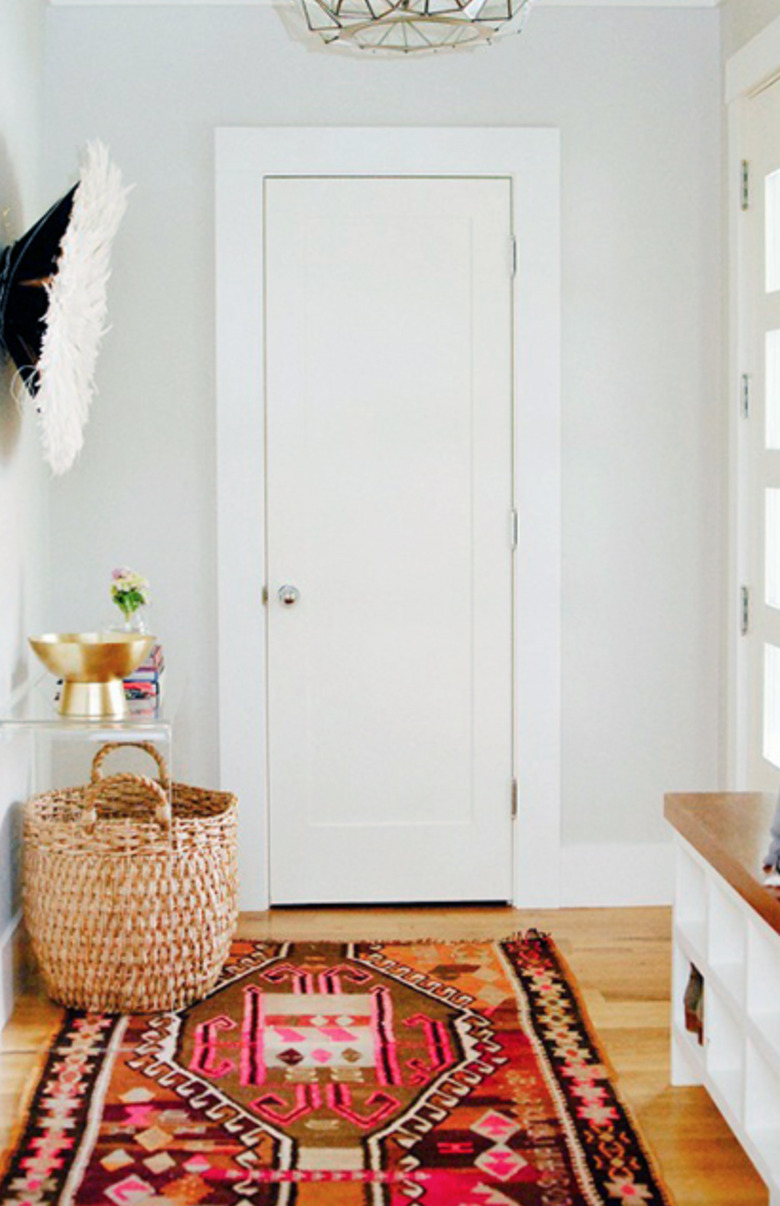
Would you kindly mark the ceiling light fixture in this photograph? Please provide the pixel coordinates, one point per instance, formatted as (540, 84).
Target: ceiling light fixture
(413, 26)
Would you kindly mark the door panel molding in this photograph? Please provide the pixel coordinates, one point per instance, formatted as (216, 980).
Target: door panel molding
(244, 158)
(389, 484)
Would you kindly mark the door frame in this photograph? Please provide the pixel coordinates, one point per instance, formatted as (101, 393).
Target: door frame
(531, 159)
(748, 71)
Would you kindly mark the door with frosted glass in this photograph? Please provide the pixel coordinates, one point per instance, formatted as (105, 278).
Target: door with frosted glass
(388, 308)
(758, 515)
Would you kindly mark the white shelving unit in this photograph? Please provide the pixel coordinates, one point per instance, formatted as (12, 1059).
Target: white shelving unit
(738, 955)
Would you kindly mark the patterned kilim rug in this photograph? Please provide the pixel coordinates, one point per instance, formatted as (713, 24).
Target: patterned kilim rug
(339, 1074)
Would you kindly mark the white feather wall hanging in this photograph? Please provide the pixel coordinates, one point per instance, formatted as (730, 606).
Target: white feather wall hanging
(53, 303)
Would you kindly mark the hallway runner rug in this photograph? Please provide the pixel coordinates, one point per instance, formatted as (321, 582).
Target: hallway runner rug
(339, 1074)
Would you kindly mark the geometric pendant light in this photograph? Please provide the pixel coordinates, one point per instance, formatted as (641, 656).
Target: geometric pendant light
(413, 26)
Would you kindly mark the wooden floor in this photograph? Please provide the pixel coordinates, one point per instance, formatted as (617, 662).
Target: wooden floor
(621, 958)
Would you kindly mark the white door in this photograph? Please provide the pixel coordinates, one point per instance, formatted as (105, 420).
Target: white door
(389, 493)
(758, 706)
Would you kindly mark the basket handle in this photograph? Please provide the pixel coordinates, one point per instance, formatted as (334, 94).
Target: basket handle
(161, 790)
(162, 812)
(146, 746)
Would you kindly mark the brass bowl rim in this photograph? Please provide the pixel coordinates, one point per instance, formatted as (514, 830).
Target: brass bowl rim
(89, 639)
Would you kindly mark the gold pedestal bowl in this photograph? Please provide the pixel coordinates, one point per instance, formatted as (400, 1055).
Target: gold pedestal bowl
(92, 666)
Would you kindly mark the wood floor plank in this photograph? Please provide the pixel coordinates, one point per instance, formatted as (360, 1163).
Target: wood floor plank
(621, 959)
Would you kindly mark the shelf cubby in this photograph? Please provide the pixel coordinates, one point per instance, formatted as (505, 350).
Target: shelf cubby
(688, 1047)
(724, 1047)
(690, 909)
(685, 971)
(762, 1112)
(763, 983)
(726, 940)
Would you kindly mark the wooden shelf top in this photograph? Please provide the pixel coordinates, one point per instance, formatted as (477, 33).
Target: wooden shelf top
(730, 830)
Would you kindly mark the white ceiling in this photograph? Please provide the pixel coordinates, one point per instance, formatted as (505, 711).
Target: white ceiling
(267, 3)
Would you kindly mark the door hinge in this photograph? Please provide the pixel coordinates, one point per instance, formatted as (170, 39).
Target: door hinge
(513, 529)
(265, 595)
(744, 185)
(514, 799)
(744, 610)
(744, 395)
(513, 256)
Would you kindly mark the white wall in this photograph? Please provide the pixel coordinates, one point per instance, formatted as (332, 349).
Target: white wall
(636, 95)
(23, 482)
(743, 19)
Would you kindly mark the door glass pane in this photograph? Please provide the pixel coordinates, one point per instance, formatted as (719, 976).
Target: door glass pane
(772, 388)
(772, 231)
(772, 547)
(772, 704)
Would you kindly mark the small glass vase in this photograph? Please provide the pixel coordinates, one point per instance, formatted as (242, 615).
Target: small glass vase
(133, 623)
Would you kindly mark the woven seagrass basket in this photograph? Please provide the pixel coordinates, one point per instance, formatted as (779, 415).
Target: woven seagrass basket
(129, 889)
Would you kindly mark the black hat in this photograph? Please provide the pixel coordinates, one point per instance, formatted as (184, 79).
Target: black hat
(27, 267)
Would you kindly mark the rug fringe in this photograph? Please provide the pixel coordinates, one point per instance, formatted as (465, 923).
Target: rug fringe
(530, 935)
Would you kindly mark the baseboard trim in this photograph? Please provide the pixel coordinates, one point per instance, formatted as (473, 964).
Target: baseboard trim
(8, 942)
(617, 874)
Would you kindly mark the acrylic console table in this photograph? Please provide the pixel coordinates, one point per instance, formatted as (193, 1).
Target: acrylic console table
(727, 928)
(32, 713)
(33, 709)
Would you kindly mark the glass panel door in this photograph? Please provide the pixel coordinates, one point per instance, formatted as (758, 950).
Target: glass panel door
(758, 456)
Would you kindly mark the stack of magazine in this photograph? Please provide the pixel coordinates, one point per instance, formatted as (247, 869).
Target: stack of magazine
(144, 687)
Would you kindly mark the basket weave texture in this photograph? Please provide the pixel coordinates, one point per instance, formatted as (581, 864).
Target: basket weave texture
(130, 889)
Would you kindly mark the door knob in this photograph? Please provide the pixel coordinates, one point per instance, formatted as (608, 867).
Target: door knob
(288, 595)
